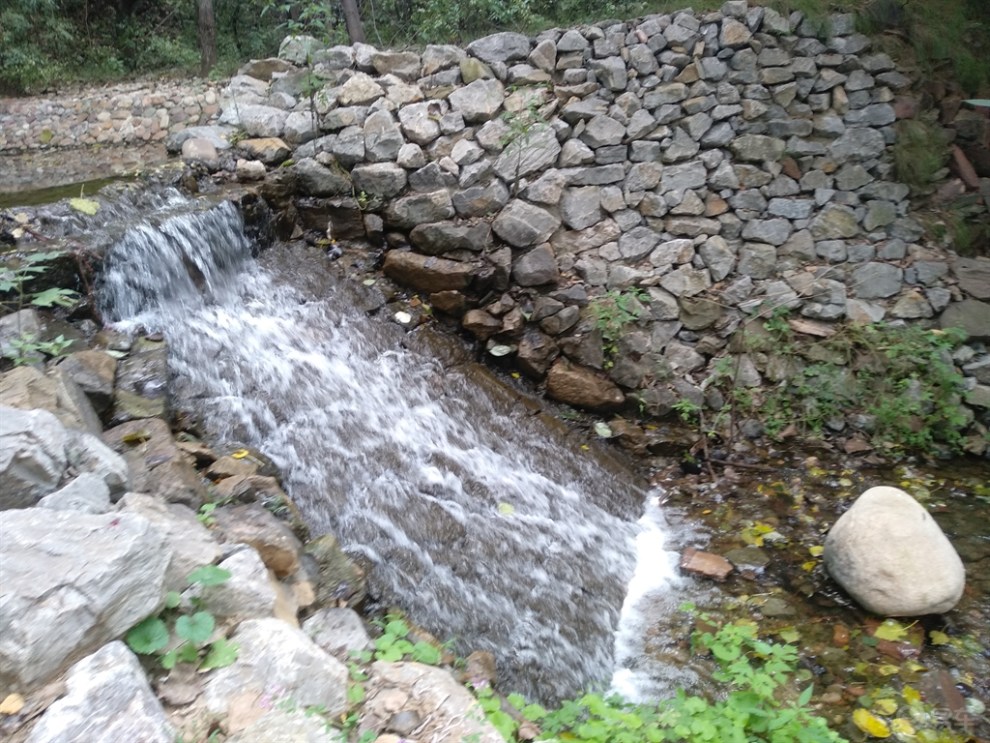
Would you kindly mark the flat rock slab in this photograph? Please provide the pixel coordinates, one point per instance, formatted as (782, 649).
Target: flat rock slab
(706, 564)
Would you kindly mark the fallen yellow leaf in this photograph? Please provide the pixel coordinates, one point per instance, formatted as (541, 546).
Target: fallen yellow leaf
(938, 638)
(871, 724)
(885, 706)
(900, 726)
(13, 704)
(241, 454)
(816, 551)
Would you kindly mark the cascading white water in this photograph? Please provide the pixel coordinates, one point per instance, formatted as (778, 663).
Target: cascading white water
(476, 518)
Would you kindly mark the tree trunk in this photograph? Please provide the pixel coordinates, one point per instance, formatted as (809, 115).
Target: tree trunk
(352, 17)
(207, 29)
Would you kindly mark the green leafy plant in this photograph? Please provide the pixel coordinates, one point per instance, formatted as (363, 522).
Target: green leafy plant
(190, 638)
(396, 644)
(613, 313)
(755, 704)
(15, 277)
(521, 125)
(901, 377)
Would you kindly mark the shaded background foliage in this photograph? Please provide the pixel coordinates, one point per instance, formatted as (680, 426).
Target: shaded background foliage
(44, 43)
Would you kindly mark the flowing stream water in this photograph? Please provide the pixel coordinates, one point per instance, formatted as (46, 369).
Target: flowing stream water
(476, 517)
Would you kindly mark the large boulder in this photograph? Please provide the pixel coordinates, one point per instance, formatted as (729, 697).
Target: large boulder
(27, 388)
(276, 662)
(71, 582)
(191, 544)
(32, 456)
(107, 700)
(888, 553)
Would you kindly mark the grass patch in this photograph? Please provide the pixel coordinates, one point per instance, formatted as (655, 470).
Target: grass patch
(900, 382)
(920, 151)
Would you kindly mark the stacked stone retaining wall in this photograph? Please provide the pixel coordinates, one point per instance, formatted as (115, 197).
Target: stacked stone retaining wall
(125, 114)
(718, 165)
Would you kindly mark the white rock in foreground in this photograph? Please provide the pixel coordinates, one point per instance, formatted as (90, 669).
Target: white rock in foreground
(888, 553)
(71, 582)
(275, 663)
(108, 700)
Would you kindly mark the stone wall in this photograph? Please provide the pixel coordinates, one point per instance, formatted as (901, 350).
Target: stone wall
(126, 114)
(719, 165)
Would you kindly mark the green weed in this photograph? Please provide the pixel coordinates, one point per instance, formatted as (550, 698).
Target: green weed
(191, 631)
(755, 703)
(613, 313)
(901, 378)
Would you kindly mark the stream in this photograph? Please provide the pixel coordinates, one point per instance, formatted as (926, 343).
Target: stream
(475, 516)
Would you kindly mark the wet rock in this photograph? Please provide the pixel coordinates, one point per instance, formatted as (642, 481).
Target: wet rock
(91, 576)
(340, 579)
(481, 324)
(157, 466)
(427, 273)
(107, 700)
(142, 382)
(582, 387)
(252, 524)
(888, 553)
(535, 353)
(705, 564)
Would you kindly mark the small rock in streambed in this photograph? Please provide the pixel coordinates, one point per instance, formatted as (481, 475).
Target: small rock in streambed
(888, 553)
(705, 564)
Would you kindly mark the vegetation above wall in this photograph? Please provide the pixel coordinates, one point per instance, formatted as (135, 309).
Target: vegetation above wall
(45, 43)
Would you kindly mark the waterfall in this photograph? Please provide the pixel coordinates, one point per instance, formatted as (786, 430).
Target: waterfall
(477, 518)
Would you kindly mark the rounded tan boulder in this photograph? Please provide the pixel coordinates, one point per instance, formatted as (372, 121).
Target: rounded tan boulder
(888, 553)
